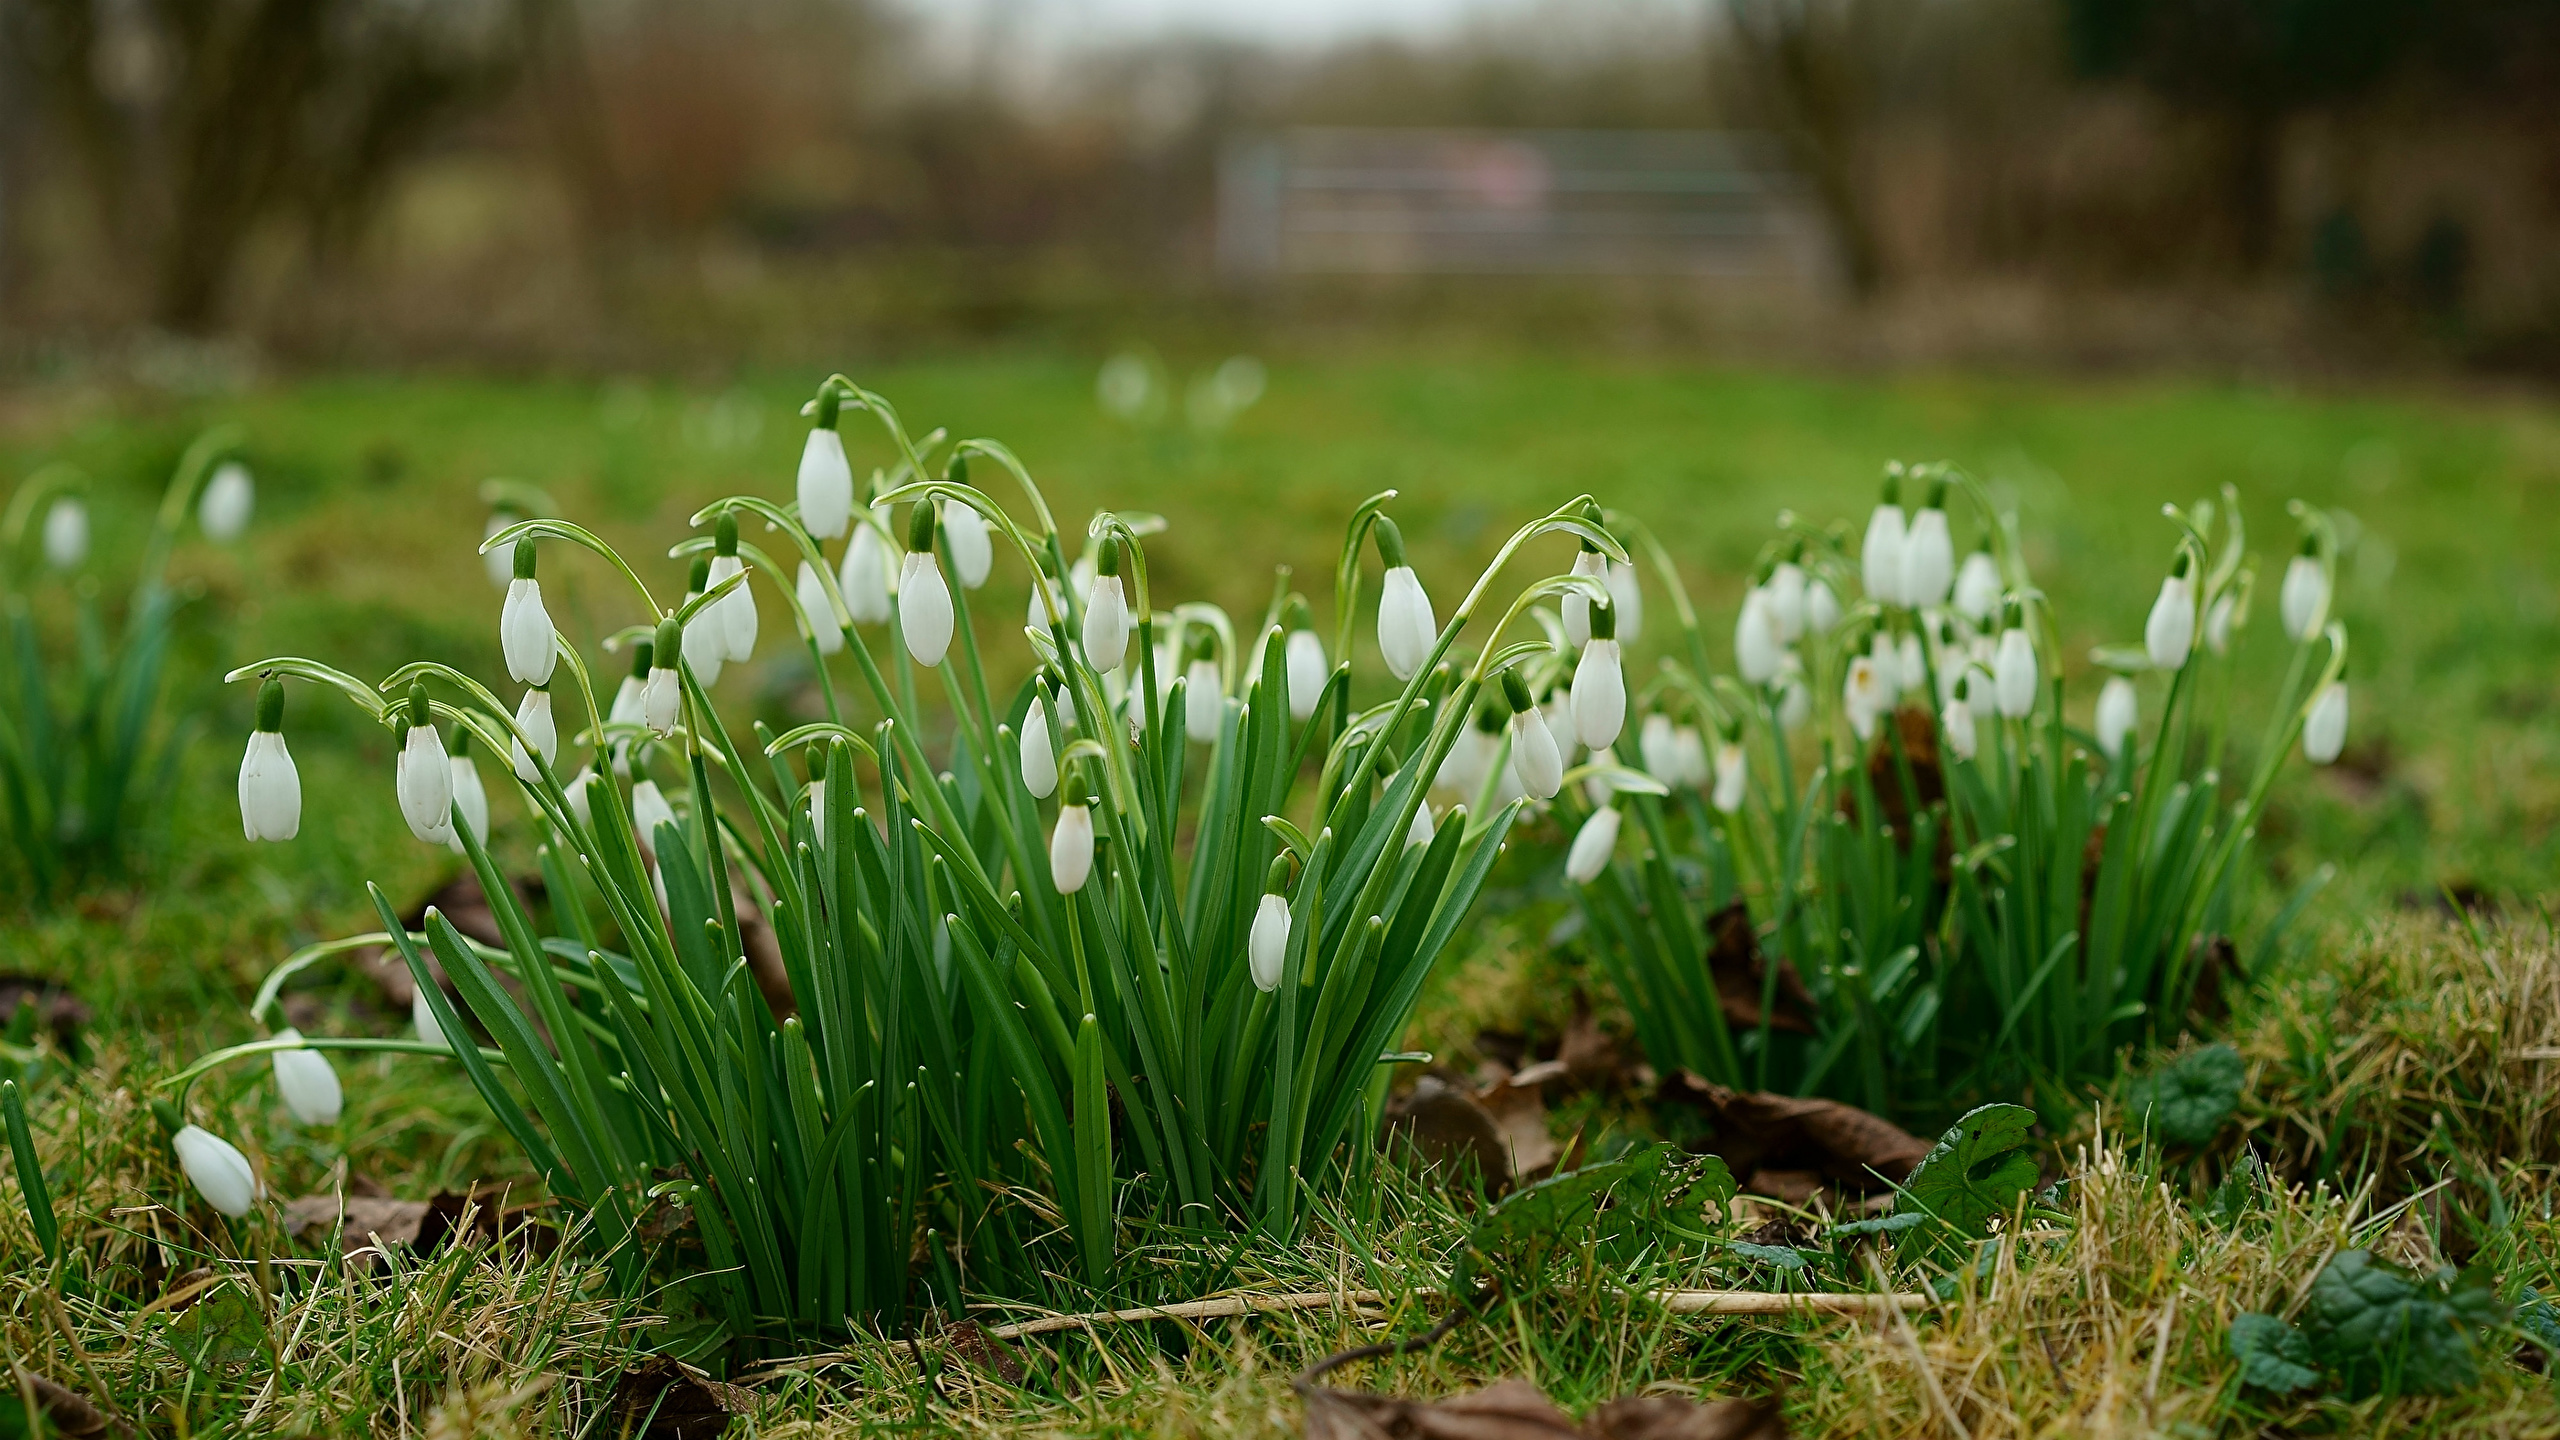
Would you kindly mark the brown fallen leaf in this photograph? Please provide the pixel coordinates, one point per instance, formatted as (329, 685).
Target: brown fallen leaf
(1741, 973)
(1671, 1417)
(1759, 1133)
(1449, 1130)
(365, 1223)
(663, 1400)
(1516, 1410)
(1520, 1114)
(983, 1352)
(65, 1410)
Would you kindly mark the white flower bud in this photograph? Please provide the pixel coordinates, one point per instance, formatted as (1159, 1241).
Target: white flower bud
(817, 617)
(1627, 597)
(1071, 849)
(826, 485)
(473, 800)
(533, 718)
(964, 530)
(817, 805)
(2324, 728)
(229, 497)
(1406, 629)
(1419, 831)
(1534, 757)
(270, 786)
(1599, 695)
(525, 633)
(2304, 602)
(1304, 652)
(1203, 701)
(1821, 607)
(1880, 558)
(2170, 633)
(1795, 697)
(1590, 564)
(2119, 714)
(1928, 559)
(649, 810)
(1593, 844)
(66, 533)
(1733, 777)
(423, 779)
(734, 616)
(1957, 721)
(218, 1170)
(1888, 671)
(924, 608)
(2217, 622)
(1977, 593)
(705, 647)
(500, 563)
(1689, 757)
(1786, 590)
(1758, 644)
(1106, 625)
(1268, 947)
(2013, 673)
(1865, 694)
(308, 1083)
(576, 790)
(422, 1015)
(1659, 746)
(1039, 760)
(865, 576)
(1914, 667)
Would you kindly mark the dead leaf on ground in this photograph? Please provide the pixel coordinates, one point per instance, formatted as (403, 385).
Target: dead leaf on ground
(1742, 973)
(65, 1410)
(1520, 1114)
(365, 1222)
(1516, 1410)
(1787, 1139)
(1449, 1129)
(663, 1400)
(983, 1352)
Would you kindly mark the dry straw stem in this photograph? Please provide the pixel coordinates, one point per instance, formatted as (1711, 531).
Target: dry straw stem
(2427, 1050)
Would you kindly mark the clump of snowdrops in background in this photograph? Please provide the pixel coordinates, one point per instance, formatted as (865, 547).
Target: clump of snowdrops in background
(82, 741)
(911, 1014)
(1955, 883)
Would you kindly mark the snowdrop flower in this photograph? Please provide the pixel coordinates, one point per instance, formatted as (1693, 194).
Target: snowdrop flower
(649, 810)
(2324, 727)
(973, 554)
(2217, 622)
(2013, 667)
(2304, 602)
(1600, 684)
(625, 709)
(1795, 698)
(1758, 645)
(422, 1015)
(1035, 611)
(66, 533)
(525, 633)
(661, 696)
(423, 776)
(1304, 653)
(1957, 719)
(1733, 777)
(817, 794)
(1406, 629)
(1420, 831)
(2119, 713)
(1977, 592)
(1786, 589)
(1071, 849)
(734, 615)
(308, 1083)
(270, 786)
(1821, 607)
(1592, 846)
(1203, 700)
(1557, 711)
(501, 562)
(1689, 757)
(1914, 666)
(864, 577)
(579, 805)
(924, 601)
(1659, 745)
(1039, 758)
(1534, 757)
(1880, 558)
(468, 794)
(1888, 670)
(704, 646)
(533, 719)
(1928, 553)
(1865, 695)
(1267, 949)
(1470, 757)
(217, 1169)
(826, 477)
(1106, 615)
(817, 617)
(1626, 596)
(1590, 564)
(2170, 633)
(229, 497)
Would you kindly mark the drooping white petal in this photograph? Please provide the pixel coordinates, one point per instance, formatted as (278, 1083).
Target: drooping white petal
(1689, 758)
(1203, 702)
(1757, 644)
(270, 789)
(1106, 625)
(533, 718)
(1268, 947)
(865, 576)
(1419, 831)
(705, 646)
(2304, 601)
(525, 633)
(1821, 608)
(1599, 695)
(1865, 694)
(924, 608)
(422, 1016)
(826, 485)
(66, 533)
(1977, 595)
(1593, 844)
(1733, 777)
(1786, 589)
(500, 564)
(1577, 606)
(1957, 721)
(576, 790)
(965, 531)
(308, 1083)
(423, 779)
(2013, 673)
(735, 614)
(1626, 596)
(1039, 757)
(473, 800)
(2119, 713)
(661, 700)
(649, 810)
(2324, 728)
(1406, 629)
(817, 617)
(1534, 757)
(1913, 665)
(217, 1169)
(1658, 744)
(1462, 770)
(1071, 849)
(1928, 559)
(1307, 672)
(1880, 558)
(2217, 622)
(229, 497)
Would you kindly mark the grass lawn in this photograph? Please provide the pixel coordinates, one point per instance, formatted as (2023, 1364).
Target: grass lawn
(362, 555)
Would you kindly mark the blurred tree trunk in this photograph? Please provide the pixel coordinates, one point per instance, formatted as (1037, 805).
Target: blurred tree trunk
(1816, 68)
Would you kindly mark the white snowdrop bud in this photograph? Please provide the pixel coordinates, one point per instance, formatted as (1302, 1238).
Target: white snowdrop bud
(1593, 844)
(1914, 666)
(270, 786)
(864, 578)
(500, 563)
(1600, 685)
(1593, 565)
(217, 1169)
(1689, 758)
(1957, 719)
(1558, 713)
(1626, 596)
(817, 617)
(1534, 757)
(1420, 831)
(1406, 628)
(2324, 728)
(1268, 947)
(1463, 769)
(66, 533)
(924, 608)
(1928, 557)
(423, 775)
(2119, 713)
(525, 633)
(1865, 694)
(1758, 647)
(2013, 672)
(533, 719)
(1308, 673)
(1039, 758)
(1821, 607)
(1071, 849)
(229, 497)
(2217, 622)
(973, 554)
(1658, 743)
(468, 794)
(734, 615)
(308, 1083)
(422, 1016)
(1888, 670)
(817, 806)
(1977, 593)
(826, 484)
(1106, 618)
(2170, 633)
(649, 810)
(661, 695)
(1880, 558)
(576, 790)
(2304, 602)
(1733, 777)
(1786, 589)
(704, 644)
(1203, 701)
(1795, 697)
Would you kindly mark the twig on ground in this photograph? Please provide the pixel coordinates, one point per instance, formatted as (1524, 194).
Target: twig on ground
(1221, 1307)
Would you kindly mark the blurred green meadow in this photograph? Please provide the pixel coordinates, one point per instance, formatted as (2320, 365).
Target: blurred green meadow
(362, 554)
